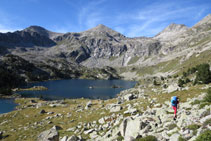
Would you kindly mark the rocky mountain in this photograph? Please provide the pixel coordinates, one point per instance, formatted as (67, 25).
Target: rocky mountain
(101, 46)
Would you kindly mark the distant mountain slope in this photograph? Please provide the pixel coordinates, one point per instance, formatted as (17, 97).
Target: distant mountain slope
(102, 46)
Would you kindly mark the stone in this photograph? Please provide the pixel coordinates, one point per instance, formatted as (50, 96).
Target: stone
(129, 97)
(42, 111)
(116, 108)
(131, 111)
(89, 131)
(49, 135)
(64, 138)
(205, 118)
(101, 121)
(71, 129)
(93, 135)
(172, 88)
(174, 137)
(73, 138)
(88, 105)
(131, 127)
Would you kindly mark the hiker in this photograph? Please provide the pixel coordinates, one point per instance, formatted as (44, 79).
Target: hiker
(174, 103)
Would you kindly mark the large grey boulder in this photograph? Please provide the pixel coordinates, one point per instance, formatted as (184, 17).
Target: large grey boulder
(174, 137)
(49, 135)
(114, 107)
(130, 128)
(172, 88)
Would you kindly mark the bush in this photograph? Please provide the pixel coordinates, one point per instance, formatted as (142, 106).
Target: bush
(205, 136)
(147, 138)
(184, 74)
(203, 75)
(181, 139)
(207, 98)
(181, 82)
(193, 127)
(187, 80)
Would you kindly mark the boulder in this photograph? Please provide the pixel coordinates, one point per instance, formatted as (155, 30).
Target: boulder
(205, 118)
(42, 111)
(114, 107)
(64, 138)
(88, 105)
(172, 88)
(73, 138)
(49, 135)
(101, 121)
(174, 137)
(131, 111)
(129, 97)
(89, 131)
(131, 127)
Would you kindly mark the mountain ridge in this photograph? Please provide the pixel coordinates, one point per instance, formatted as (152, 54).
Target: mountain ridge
(102, 46)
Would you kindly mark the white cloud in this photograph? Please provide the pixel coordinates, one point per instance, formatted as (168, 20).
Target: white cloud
(90, 15)
(155, 17)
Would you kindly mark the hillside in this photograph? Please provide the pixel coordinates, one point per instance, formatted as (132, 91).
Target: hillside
(101, 46)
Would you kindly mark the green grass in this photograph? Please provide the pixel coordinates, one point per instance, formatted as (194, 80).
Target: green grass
(205, 136)
(133, 60)
(147, 138)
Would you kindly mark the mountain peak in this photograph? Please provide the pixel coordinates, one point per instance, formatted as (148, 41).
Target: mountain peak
(175, 27)
(101, 28)
(42, 31)
(171, 31)
(35, 28)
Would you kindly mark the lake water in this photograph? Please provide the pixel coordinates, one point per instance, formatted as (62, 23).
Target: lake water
(6, 105)
(59, 89)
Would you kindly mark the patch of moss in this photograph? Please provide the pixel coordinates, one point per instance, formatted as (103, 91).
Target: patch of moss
(171, 126)
(147, 138)
(181, 139)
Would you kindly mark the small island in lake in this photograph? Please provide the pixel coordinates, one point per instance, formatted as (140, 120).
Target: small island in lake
(34, 88)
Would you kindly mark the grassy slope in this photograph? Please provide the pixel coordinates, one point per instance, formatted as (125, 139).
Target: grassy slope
(27, 117)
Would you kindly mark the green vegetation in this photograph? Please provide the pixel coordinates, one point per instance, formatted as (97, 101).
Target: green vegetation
(133, 60)
(207, 98)
(147, 138)
(181, 139)
(207, 122)
(193, 127)
(8, 80)
(172, 126)
(120, 138)
(203, 74)
(205, 136)
(181, 82)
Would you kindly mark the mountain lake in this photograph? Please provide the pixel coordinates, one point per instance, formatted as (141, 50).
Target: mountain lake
(73, 88)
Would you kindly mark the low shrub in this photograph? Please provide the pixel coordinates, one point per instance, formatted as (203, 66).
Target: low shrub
(193, 127)
(207, 98)
(147, 138)
(181, 139)
(205, 136)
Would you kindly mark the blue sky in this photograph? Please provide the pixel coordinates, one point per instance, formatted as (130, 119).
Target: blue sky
(132, 18)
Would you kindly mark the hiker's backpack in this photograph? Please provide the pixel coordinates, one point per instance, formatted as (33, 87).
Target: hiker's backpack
(174, 101)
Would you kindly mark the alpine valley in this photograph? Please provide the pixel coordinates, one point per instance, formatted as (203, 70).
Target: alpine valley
(175, 62)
